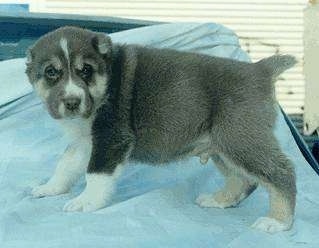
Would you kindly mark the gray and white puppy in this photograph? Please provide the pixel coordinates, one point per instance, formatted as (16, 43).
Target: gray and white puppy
(130, 103)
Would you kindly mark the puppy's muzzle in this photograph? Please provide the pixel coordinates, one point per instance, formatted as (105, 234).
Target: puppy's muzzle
(72, 104)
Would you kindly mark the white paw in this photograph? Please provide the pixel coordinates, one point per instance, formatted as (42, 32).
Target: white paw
(209, 201)
(220, 199)
(48, 189)
(270, 225)
(85, 202)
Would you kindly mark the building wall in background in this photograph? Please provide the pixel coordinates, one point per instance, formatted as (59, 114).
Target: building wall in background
(265, 27)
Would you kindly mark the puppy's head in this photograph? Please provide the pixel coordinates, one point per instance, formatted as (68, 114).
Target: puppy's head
(69, 70)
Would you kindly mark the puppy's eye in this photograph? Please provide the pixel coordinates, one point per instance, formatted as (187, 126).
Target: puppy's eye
(86, 72)
(51, 72)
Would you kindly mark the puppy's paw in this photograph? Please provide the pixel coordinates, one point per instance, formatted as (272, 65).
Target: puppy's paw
(218, 200)
(209, 201)
(270, 225)
(48, 189)
(85, 202)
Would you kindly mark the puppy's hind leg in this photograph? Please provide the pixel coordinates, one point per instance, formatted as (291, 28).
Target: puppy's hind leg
(237, 187)
(267, 163)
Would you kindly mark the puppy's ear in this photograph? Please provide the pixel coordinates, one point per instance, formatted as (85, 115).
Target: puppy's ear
(29, 55)
(102, 43)
(29, 71)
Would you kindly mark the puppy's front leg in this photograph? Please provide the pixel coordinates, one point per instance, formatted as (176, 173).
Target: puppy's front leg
(70, 167)
(105, 166)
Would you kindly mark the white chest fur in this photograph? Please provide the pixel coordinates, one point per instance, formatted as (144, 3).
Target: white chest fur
(75, 129)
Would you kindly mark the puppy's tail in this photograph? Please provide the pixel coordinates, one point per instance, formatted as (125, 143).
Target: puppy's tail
(276, 64)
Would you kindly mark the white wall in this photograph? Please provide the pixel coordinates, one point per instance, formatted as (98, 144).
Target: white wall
(264, 26)
(311, 41)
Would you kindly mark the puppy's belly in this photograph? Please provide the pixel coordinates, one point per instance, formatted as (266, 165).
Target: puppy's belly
(159, 156)
(159, 151)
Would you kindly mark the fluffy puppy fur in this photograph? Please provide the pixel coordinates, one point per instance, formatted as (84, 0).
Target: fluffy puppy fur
(128, 102)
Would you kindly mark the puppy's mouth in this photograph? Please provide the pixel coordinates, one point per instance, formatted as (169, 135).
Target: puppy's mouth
(74, 114)
(72, 111)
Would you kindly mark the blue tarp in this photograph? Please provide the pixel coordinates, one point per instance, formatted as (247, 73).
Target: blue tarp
(152, 206)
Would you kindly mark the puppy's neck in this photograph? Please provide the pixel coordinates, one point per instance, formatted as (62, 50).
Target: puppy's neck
(77, 128)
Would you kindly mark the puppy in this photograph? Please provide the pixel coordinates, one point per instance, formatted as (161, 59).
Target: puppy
(124, 103)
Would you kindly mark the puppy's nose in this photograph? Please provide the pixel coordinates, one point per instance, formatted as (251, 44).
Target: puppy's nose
(72, 103)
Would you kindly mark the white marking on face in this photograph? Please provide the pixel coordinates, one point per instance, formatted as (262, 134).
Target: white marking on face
(71, 88)
(64, 46)
(61, 109)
